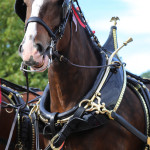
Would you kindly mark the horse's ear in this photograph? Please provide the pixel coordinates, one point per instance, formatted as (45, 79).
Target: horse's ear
(20, 9)
(66, 6)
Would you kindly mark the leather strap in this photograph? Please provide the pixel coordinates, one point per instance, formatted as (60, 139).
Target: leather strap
(69, 127)
(129, 127)
(144, 91)
(36, 127)
(12, 129)
(52, 123)
(40, 21)
(18, 87)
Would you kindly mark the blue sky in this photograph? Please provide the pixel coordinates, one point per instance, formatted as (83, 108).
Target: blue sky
(134, 22)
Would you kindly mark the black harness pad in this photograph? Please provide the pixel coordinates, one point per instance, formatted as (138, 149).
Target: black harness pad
(116, 79)
(112, 87)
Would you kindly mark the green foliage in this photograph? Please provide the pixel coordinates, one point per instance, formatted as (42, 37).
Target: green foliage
(146, 74)
(11, 35)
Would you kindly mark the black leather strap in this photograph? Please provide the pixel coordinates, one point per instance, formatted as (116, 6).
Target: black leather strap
(36, 127)
(18, 87)
(143, 91)
(69, 127)
(40, 21)
(139, 78)
(12, 129)
(52, 123)
(129, 127)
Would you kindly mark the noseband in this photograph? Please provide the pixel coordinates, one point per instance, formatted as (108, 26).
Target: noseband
(40, 21)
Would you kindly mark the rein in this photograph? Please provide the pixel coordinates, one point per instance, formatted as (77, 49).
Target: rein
(62, 58)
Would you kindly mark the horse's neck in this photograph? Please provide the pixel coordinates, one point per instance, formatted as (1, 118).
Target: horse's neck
(69, 84)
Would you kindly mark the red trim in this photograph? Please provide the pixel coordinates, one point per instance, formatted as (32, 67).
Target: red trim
(78, 18)
(62, 146)
(93, 32)
(0, 93)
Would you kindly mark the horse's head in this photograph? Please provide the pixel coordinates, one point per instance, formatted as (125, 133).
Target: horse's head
(44, 20)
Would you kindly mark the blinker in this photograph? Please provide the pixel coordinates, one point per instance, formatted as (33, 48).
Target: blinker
(20, 9)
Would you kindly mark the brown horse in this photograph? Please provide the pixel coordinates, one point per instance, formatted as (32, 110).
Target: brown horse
(69, 83)
(7, 116)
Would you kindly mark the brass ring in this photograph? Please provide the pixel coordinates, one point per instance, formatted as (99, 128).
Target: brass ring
(8, 110)
(86, 101)
(52, 142)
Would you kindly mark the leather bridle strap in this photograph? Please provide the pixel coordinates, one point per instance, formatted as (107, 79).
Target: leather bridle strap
(27, 84)
(40, 21)
(51, 33)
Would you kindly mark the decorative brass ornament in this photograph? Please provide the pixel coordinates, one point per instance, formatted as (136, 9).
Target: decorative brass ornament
(115, 19)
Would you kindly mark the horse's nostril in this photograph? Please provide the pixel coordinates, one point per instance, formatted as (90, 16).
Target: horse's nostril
(39, 47)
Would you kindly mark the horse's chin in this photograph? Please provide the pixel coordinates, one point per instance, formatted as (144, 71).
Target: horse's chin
(42, 66)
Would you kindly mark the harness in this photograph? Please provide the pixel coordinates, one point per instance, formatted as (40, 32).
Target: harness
(25, 129)
(96, 108)
(59, 126)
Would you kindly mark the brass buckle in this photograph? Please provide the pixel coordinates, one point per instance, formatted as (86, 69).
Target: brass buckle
(52, 142)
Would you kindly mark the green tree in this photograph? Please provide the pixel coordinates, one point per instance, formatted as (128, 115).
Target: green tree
(11, 34)
(146, 74)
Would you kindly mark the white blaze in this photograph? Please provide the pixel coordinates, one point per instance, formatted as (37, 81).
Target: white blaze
(30, 52)
(32, 26)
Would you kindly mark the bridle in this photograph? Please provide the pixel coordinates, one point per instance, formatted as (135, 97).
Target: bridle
(55, 36)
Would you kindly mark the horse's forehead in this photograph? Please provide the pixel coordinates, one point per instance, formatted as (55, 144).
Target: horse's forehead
(36, 7)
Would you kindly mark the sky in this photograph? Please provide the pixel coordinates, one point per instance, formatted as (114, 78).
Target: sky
(134, 22)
